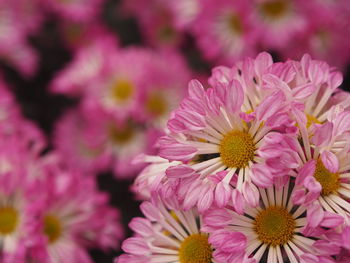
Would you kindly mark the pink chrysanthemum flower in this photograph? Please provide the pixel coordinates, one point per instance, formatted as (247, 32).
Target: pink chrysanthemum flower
(227, 24)
(325, 36)
(162, 23)
(88, 65)
(167, 234)
(96, 141)
(219, 132)
(74, 217)
(277, 22)
(276, 231)
(17, 211)
(324, 173)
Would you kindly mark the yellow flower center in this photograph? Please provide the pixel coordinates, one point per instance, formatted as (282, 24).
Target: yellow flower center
(156, 105)
(274, 9)
(311, 120)
(8, 220)
(274, 226)
(52, 228)
(237, 149)
(195, 249)
(121, 135)
(122, 90)
(235, 24)
(329, 181)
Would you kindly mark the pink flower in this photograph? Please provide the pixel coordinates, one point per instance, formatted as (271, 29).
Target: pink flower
(275, 227)
(167, 234)
(224, 128)
(74, 216)
(223, 30)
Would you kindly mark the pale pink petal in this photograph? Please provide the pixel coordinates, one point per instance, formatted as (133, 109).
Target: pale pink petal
(323, 134)
(250, 193)
(330, 161)
(315, 215)
(136, 246)
(238, 201)
(179, 171)
(141, 226)
(331, 220)
(223, 193)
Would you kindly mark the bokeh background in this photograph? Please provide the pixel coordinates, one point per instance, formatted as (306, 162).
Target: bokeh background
(45, 108)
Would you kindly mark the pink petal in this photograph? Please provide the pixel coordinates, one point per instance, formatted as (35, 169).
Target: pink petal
(312, 185)
(308, 258)
(136, 246)
(315, 215)
(238, 201)
(141, 226)
(330, 161)
(234, 242)
(179, 171)
(307, 170)
(206, 198)
(177, 151)
(326, 248)
(196, 90)
(150, 211)
(222, 193)
(234, 96)
(250, 193)
(261, 176)
(270, 106)
(323, 134)
(332, 220)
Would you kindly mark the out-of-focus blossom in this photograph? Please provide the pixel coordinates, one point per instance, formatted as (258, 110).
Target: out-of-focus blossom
(223, 30)
(126, 97)
(18, 20)
(326, 34)
(167, 234)
(163, 22)
(74, 216)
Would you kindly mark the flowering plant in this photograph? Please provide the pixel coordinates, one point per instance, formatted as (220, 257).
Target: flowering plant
(253, 168)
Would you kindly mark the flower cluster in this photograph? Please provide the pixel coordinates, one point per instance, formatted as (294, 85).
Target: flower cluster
(48, 212)
(125, 96)
(230, 30)
(253, 168)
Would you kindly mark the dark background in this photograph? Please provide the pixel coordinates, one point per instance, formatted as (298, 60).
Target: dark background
(45, 108)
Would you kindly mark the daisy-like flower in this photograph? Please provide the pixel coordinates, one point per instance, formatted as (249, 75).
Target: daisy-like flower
(219, 131)
(276, 231)
(74, 216)
(88, 63)
(226, 24)
(325, 33)
(324, 173)
(158, 21)
(277, 22)
(167, 234)
(17, 211)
